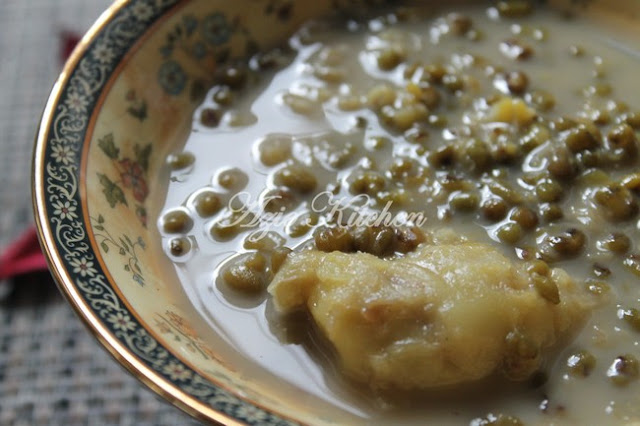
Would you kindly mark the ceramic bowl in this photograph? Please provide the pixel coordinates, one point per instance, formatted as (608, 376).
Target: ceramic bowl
(123, 102)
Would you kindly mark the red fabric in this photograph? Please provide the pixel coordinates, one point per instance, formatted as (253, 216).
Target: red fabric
(22, 256)
(68, 41)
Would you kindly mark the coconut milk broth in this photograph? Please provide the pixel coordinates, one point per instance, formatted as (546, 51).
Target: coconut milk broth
(243, 321)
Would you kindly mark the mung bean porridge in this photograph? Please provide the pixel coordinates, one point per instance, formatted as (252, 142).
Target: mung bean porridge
(399, 212)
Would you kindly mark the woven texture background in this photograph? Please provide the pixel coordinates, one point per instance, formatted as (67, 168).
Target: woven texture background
(52, 371)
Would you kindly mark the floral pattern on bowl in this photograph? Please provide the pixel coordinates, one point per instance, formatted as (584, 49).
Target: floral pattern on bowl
(107, 128)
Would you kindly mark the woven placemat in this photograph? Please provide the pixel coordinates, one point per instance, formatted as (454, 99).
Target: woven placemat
(52, 371)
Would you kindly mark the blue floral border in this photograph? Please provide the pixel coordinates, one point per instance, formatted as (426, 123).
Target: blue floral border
(63, 153)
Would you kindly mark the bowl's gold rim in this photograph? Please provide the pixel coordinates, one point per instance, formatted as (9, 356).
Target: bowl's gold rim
(118, 351)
